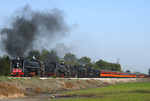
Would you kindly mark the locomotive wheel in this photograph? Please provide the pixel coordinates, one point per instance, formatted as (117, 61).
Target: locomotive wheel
(42, 74)
(39, 74)
(58, 74)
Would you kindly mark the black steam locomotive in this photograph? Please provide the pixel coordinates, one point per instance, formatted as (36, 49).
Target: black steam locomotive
(23, 67)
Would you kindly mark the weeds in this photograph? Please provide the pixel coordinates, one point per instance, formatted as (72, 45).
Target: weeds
(7, 89)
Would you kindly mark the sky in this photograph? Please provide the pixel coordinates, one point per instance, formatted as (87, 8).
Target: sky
(99, 29)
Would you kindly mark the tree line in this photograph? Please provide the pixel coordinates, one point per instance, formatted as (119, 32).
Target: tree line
(51, 56)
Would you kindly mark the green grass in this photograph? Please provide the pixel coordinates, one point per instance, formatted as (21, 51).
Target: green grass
(119, 92)
(2, 78)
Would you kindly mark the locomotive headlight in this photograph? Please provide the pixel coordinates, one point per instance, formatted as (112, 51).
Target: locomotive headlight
(17, 64)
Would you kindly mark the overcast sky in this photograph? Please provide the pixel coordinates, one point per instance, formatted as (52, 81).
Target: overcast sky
(100, 29)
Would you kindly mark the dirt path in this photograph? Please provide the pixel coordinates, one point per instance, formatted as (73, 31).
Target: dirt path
(41, 97)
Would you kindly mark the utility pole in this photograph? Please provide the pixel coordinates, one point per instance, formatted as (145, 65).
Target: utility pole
(118, 61)
(149, 73)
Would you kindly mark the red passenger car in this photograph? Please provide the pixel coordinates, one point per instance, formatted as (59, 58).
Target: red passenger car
(116, 74)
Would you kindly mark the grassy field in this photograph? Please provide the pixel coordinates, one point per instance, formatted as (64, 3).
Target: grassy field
(119, 92)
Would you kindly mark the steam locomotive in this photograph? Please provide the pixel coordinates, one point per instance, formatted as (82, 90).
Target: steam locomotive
(23, 67)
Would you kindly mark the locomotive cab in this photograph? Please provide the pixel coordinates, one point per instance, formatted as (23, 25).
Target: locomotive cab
(81, 71)
(50, 69)
(73, 71)
(62, 70)
(90, 72)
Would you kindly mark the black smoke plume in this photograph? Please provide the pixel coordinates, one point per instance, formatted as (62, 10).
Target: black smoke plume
(29, 26)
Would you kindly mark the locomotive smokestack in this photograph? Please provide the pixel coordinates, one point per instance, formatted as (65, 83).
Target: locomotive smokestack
(29, 26)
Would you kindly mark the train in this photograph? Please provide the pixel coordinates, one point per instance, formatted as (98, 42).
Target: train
(24, 67)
